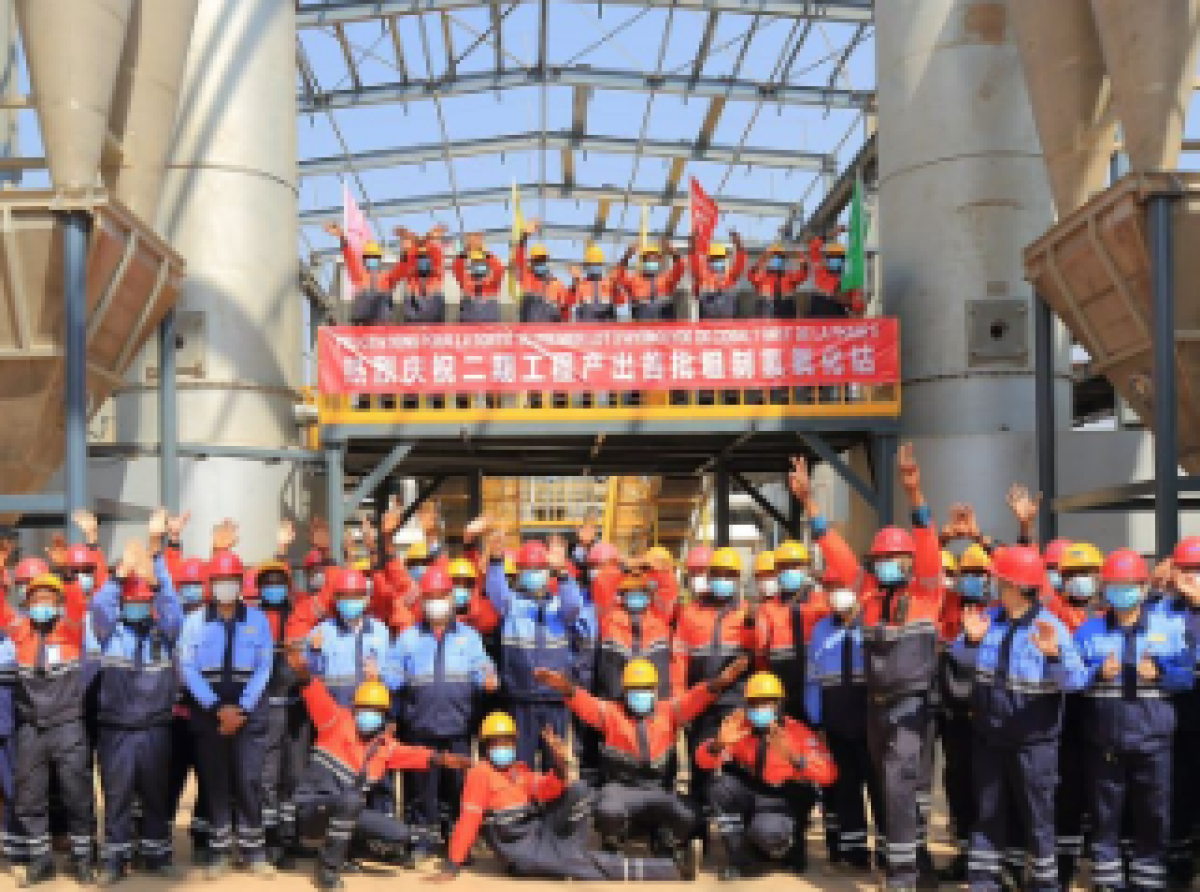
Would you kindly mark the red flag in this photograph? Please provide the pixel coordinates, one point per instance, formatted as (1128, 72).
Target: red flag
(358, 233)
(703, 211)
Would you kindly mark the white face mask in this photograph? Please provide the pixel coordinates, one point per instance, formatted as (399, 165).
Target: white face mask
(842, 600)
(768, 588)
(437, 611)
(226, 591)
(700, 585)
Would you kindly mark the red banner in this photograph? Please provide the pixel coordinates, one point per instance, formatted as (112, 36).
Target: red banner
(703, 212)
(741, 354)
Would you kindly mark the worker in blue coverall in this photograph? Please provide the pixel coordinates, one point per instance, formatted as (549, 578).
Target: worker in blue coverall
(1024, 659)
(1136, 658)
(225, 656)
(347, 646)
(133, 626)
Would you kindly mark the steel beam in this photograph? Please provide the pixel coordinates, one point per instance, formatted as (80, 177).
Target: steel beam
(372, 481)
(825, 452)
(448, 40)
(75, 230)
(168, 418)
(52, 504)
(323, 14)
(498, 31)
(335, 498)
(1161, 212)
(423, 495)
(582, 75)
(721, 515)
(866, 165)
(751, 490)
(397, 47)
(1044, 412)
(348, 54)
(883, 460)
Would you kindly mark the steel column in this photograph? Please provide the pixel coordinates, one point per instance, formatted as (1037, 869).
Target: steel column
(475, 494)
(1166, 449)
(759, 499)
(795, 525)
(76, 226)
(721, 505)
(335, 497)
(1047, 440)
(883, 447)
(168, 419)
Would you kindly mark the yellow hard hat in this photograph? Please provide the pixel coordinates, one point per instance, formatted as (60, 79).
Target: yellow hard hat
(372, 695)
(949, 564)
(639, 673)
(46, 580)
(775, 249)
(659, 554)
(593, 254)
(498, 724)
(717, 249)
(791, 552)
(273, 567)
(837, 249)
(462, 568)
(975, 558)
(510, 567)
(477, 255)
(764, 686)
(418, 551)
(764, 562)
(363, 565)
(726, 559)
(372, 249)
(538, 251)
(1081, 556)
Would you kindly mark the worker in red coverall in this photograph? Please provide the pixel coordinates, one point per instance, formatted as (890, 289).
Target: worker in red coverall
(424, 280)
(775, 284)
(714, 281)
(479, 274)
(901, 603)
(657, 565)
(543, 297)
(535, 824)
(828, 259)
(762, 755)
(651, 287)
(372, 284)
(604, 577)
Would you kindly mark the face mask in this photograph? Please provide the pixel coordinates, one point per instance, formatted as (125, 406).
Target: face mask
(226, 591)
(1081, 588)
(135, 611)
(1123, 596)
(437, 610)
(416, 572)
(717, 266)
(351, 610)
(889, 572)
(834, 264)
(191, 592)
(700, 585)
(842, 600)
(540, 270)
(793, 579)
(593, 572)
(724, 588)
(594, 272)
(502, 756)
(274, 594)
(86, 582)
(636, 602)
(478, 270)
(371, 263)
(534, 581)
(640, 702)
(976, 588)
(43, 612)
(775, 264)
(369, 722)
(462, 597)
(650, 267)
(761, 716)
(768, 588)
(424, 266)
(1055, 580)
(316, 581)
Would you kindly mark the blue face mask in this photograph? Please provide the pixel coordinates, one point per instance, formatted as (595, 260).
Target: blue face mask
(1123, 596)
(723, 588)
(833, 264)
(761, 716)
(368, 722)
(42, 612)
(594, 271)
(717, 266)
(640, 702)
(650, 267)
(372, 263)
(1080, 588)
(462, 597)
(478, 270)
(416, 572)
(87, 582)
(351, 610)
(533, 581)
(793, 579)
(636, 602)
(274, 594)
(135, 611)
(191, 593)
(541, 270)
(775, 264)
(424, 266)
(889, 572)
(502, 756)
(1055, 579)
(975, 588)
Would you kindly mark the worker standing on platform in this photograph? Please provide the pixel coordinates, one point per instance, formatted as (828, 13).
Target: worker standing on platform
(827, 259)
(651, 288)
(594, 293)
(425, 281)
(372, 284)
(1136, 658)
(438, 669)
(225, 656)
(479, 274)
(715, 277)
(775, 285)
(134, 623)
(1023, 660)
(543, 297)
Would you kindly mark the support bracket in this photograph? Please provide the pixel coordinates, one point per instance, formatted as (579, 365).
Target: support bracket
(825, 452)
(752, 491)
(369, 483)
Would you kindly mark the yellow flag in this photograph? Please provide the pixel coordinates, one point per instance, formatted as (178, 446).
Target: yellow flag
(518, 229)
(644, 235)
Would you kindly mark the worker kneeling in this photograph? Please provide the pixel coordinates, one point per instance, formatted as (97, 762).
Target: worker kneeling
(638, 737)
(537, 825)
(351, 754)
(763, 754)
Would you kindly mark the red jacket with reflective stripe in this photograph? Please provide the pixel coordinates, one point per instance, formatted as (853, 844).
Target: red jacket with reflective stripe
(707, 639)
(619, 644)
(487, 287)
(363, 280)
(52, 695)
(491, 794)
(763, 763)
(641, 287)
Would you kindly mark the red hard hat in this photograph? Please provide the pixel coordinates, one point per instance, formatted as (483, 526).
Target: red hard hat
(1020, 565)
(1054, 552)
(436, 581)
(31, 568)
(602, 552)
(226, 565)
(838, 577)
(892, 540)
(191, 570)
(532, 554)
(315, 558)
(1124, 565)
(351, 582)
(136, 589)
(698, 558)
(1187, 552)
(80, 557)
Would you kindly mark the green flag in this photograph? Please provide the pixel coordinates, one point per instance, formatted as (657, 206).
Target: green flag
(854, 275)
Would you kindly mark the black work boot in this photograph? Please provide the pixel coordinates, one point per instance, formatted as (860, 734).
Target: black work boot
(37, 871)
(327, 877)
(110, 874)
(687, 857)
(83, 871)
(927, 875)
(955, 871)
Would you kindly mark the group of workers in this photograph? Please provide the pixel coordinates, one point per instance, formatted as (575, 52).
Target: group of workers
(561, 689)
(785, 283)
